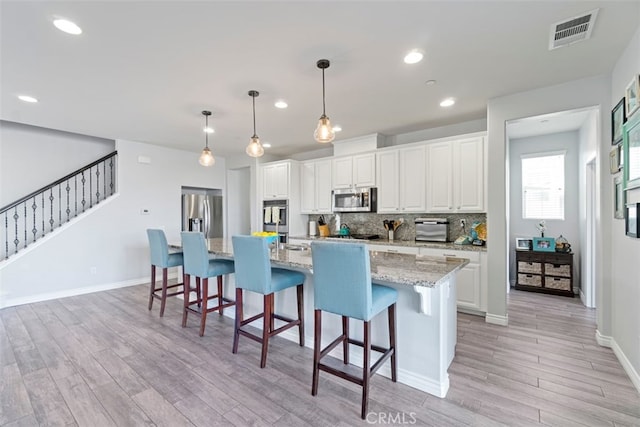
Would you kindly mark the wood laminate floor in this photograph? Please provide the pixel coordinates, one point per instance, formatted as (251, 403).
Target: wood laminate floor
(102, 359)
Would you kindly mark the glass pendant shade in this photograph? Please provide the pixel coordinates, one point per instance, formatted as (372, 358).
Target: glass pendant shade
(324, 132)
(254, 149)
(206, 157)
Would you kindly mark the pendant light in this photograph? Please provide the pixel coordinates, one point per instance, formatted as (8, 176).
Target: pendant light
(254, 149)
(324, 132)
(206, 157)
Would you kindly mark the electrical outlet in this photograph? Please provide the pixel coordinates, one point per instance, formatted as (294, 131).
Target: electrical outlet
(463, 223)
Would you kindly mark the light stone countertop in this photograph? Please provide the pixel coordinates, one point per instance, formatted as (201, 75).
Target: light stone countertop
(410, 270)
(404, 243)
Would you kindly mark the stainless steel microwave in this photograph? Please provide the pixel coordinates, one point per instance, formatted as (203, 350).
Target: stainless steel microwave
(359, 199)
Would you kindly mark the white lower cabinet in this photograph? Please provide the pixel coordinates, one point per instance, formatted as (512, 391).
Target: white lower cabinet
(471, 281)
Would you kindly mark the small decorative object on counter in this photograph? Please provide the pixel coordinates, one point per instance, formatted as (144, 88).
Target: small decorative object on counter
(541, 227)
(271, 236)
(344, 230)
(562, 245)
(323, 228)
(391, 226)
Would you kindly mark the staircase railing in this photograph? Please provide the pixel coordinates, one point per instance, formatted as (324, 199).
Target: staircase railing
(36, 214)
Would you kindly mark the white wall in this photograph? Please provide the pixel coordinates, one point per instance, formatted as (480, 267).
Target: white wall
(33, 157)
(625, 251)
(238, 201)
(589, 92)
(471, 126)
(519, 227)
(112, 239)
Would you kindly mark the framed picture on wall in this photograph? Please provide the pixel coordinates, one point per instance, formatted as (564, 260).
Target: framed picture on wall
(615, 159)
(632, 224)
(618, 117)
(631, 96)
(631, 152)
(618, 197)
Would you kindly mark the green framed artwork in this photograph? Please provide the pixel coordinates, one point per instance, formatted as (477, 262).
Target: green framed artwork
(631, 152)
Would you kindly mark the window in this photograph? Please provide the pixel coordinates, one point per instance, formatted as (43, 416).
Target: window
(543, 186)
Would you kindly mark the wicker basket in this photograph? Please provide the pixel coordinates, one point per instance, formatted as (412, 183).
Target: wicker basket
(529, 267)
(530, 280)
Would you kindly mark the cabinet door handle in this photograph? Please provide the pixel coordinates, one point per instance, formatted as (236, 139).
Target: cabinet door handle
(392, 250)
(450, 255)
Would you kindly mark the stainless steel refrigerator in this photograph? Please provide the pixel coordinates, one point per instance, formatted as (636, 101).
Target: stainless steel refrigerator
(202, 211)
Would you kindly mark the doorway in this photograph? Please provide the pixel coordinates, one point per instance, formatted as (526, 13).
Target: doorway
(575, 133)
(239, 201)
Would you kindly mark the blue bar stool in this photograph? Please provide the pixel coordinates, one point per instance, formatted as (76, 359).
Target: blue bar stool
(342, 285)
(198, 264)
(161, 257)
(254, 273)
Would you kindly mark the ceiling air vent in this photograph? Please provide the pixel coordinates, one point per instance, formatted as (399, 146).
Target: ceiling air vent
(572, 30)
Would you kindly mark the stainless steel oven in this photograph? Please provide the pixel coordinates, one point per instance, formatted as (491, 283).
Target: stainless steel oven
(275, 215)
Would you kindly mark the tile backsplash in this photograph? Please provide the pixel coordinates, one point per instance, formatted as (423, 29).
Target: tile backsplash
(371, 223)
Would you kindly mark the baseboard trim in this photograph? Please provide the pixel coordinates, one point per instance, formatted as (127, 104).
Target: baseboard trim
(11, 302)
(626, 364)
(494, 319)
(603, 340)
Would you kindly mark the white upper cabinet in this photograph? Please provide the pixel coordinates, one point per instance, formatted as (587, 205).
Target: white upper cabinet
(401, 178)
(316, 187)
(354, 171)
(455, 176)
(275, 179)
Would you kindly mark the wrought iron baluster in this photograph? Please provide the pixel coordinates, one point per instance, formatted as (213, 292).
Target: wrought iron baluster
(84, 201)
(90, 188)
(75, 198)
(15, 220)
(34, 230)
(111, 172)
(51, 204)
(68, 210)
(6, 236)
(42, 194)
(26, 240)
(59, 205)
(104, 179)
(97, 184)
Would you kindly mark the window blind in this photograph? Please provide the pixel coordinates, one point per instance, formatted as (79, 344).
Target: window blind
(543, 186)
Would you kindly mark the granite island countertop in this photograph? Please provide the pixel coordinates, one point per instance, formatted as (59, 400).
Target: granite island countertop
(403, 269)
(403, 243)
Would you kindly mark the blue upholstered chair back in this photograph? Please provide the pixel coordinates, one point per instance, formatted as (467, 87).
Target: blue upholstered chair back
(253, 266)
(159, 247)
(196, 255)
(342, 278)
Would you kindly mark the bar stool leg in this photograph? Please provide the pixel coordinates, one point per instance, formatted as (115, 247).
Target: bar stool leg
(366, 371)
(186, 291)
(266, 328)
(165, 279)
(205, 297)
(345, 342)
(236, 329)
(317, 339)
(152, 288)
(272, 319)
(220, 301)
(300, 314)
(391, 311)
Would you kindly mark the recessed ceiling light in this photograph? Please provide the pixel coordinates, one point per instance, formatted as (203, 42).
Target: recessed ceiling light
(413, 57)
(266, 145)
(337, 128)
(281, 104)
(430, 82)
(447, 102)
(209, 129)
(27, 98)
(67, 26)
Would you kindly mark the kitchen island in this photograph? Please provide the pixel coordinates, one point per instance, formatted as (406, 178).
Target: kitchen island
(426, 310)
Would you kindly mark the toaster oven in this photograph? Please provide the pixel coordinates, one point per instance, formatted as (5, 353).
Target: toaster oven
(432, 229)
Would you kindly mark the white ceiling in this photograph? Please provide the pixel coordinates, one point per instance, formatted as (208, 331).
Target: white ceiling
(145, 70)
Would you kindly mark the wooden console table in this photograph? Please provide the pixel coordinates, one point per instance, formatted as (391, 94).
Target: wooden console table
(548, 272)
